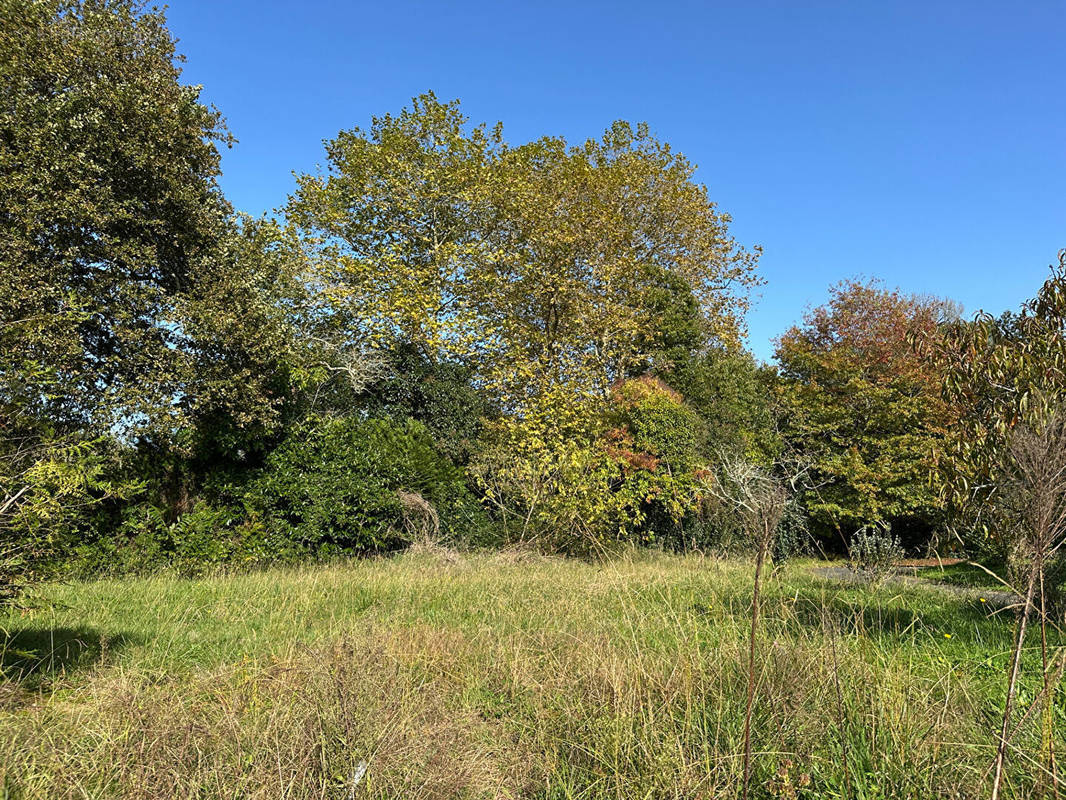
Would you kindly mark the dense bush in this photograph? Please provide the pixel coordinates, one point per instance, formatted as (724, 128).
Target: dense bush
(439, 394)
(204, 537)
(332, 486)
(656, 438)
(550, 481)
(581, 477)
(874, 550)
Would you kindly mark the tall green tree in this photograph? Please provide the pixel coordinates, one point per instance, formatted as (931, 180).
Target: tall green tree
(396, 228)
(108, 168)
(719, 379)
(584, 238)
(108, 207)
(1001, 373)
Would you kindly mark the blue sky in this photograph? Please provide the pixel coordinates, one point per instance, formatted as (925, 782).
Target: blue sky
(923, 143)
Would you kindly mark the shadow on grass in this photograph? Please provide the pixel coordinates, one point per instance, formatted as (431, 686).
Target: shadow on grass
(31, 656)
(906, 615)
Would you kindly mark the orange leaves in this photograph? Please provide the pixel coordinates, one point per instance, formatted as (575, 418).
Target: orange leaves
(618, 442)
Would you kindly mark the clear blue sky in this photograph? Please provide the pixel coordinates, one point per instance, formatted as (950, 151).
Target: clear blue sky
(920, 142)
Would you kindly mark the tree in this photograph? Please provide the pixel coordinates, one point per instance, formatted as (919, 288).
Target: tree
(1005, 470)
(250, 360)
(999, 373)
(108, 168)
(863, 407)
(735, 398)
(396, 228)
(439, 394)
(533, 260)
(583, 238)
(108, 206)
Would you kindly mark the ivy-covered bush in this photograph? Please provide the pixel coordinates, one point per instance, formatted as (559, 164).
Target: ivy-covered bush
(332, 486)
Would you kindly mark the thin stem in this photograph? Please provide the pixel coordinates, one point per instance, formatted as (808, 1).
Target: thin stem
(1049, 720)
(1012, 682)
(759, 558)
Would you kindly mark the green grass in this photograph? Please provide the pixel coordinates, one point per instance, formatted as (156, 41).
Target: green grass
(966, 575)
(502, 676)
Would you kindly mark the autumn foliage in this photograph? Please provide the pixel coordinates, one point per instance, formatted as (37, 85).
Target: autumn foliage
(863, 406)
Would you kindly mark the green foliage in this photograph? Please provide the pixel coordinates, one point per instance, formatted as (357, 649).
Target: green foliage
(108, 169)
(723, 384)
(734, 397)
(655, 436)
(393, 226)
(439, 394)
(49, 491)
(657, 423)
(542, 261)
(549, 478)
(203, 538)
(863, 409)
(332, 486)
(584, 477)
(678, 329)
(252, 351)
(1002, 374)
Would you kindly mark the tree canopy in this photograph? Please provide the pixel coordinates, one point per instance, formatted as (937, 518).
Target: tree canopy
(864, 407)
(533, 262)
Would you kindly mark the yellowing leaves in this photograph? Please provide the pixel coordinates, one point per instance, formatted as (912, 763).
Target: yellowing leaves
(533, 259)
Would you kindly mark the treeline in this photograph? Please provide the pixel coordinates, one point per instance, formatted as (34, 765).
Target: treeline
(443, 336)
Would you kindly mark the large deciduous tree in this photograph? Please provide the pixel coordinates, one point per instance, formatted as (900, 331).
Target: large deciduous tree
(396, 227)
(108, 204)
(582, 238)
(533, 262)
(862, 406)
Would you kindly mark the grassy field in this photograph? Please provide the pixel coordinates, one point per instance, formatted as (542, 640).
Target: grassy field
(502, 676)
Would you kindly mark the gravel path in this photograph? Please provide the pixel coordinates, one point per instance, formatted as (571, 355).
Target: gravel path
(906, 576)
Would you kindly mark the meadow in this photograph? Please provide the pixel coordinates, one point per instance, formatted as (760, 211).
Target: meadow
(508, 675)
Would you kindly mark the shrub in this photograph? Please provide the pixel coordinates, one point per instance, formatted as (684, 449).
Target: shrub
(873, 550)
(656, 437)
(50, 494)
(332, 486)
(657, 421)
(203, 537)
(580, 476)
(552, 484)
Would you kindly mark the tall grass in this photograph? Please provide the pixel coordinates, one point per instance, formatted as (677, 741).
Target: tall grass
(504, 676)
